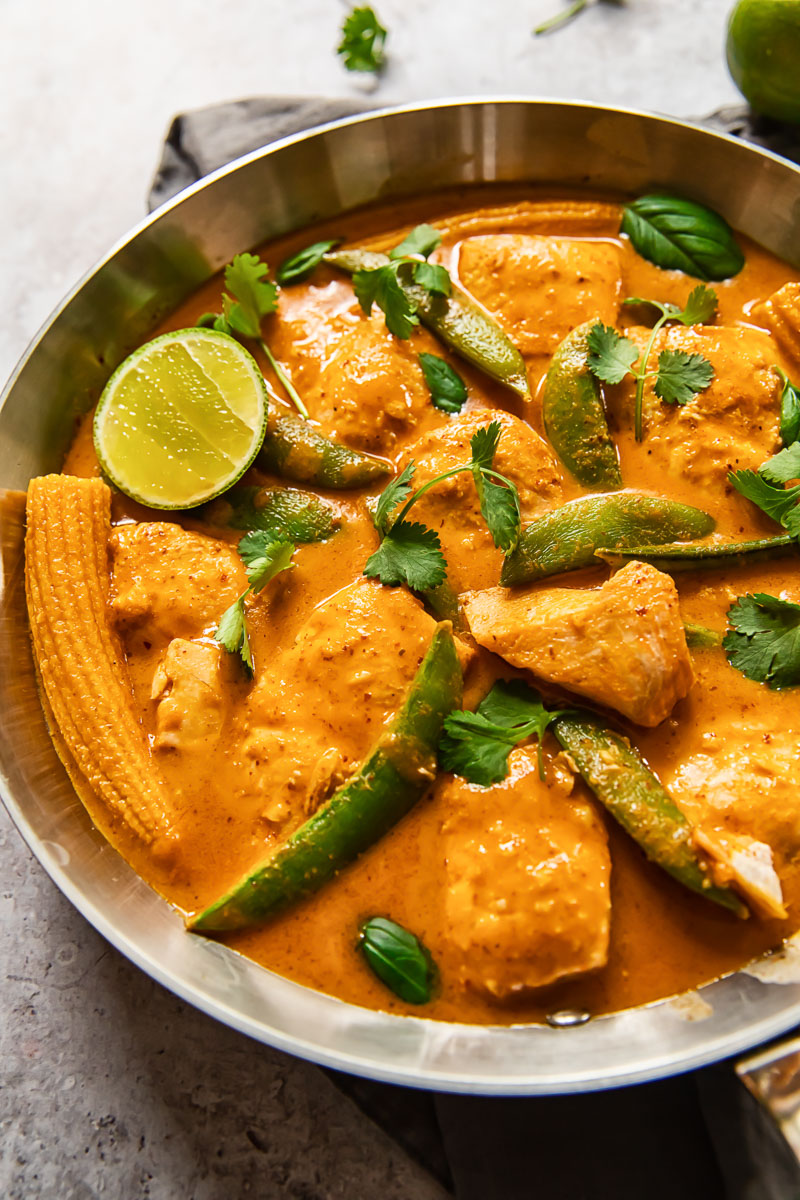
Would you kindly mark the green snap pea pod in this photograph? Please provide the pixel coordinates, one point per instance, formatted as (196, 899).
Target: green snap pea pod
(574, 417)
(460, 323)
(567, 538)
(702, 558)
(700, 637)
(294, 450)
(396, 773)
(624, 784)
(291, 514)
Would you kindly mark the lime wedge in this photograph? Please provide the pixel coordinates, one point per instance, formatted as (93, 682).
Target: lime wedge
(181, 419)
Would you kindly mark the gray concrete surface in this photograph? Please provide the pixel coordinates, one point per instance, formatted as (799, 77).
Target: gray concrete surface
(110, 1086)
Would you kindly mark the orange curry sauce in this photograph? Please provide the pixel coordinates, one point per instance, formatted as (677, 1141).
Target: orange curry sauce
(328, 674)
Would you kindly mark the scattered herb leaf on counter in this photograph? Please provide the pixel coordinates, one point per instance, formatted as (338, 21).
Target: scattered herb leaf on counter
(562, 18)
(247, 277)
(678, 234)
(363, 40)
(382, 285)
(264, 557)
(399, 959)
(476, 745)
(447, 388)
(299, 266)
(678, 377)
(410, 552)
(790, 411)
(764, 643)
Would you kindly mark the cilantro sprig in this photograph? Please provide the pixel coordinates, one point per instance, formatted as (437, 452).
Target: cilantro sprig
(765, 487)
(678, 377)
(363, 39)
(764, 643)
(410, 552)
(476, 745)
(264, 556)
(299, 266)
(391, 286)
(253, 297)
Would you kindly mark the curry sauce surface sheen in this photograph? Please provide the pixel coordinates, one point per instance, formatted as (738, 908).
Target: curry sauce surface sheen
(334, 652)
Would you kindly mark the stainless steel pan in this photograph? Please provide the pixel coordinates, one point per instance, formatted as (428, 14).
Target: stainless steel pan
(321, 174)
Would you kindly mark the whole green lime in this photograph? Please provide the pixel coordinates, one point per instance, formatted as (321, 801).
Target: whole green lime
(764, 55)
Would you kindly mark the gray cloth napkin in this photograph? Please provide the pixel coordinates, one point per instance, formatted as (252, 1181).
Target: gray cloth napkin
(695, 1137)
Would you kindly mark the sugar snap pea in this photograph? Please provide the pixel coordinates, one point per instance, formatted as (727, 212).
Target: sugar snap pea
(291, 514)
(461, 323)
(574, 418)
(700, 637)
(625, 785)
(672, 558)
(398, 770)
(567, 538)
(294, 450)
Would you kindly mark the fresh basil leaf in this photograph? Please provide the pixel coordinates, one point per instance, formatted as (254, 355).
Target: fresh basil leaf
(399, 959)
(678, 234)
(299, 266)
(447, 388)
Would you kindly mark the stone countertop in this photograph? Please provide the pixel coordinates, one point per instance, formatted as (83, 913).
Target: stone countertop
(111, 1086)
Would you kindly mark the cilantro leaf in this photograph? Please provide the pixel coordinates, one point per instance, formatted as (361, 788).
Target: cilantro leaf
(499, 504)
(394, 493)
(256, 297)
(790, 411)
(500, 511)
(700, 307)
(476, 745)
(299, 266)
(265, 556)
(232, 632)
(511, 702)
(484, 444)
(422, 241)
(433, 278)
(380, 285)
(681, 376)
(363, 39)
(447, 388)
(783, 467)
(765, 641)
(776, 502)
(611, 355)
(475, 748)
(409, 553)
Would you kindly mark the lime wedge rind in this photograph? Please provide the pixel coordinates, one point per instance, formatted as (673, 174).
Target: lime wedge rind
(181, 419)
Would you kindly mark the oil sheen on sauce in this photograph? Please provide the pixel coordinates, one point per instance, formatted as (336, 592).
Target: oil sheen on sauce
(367, 389)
